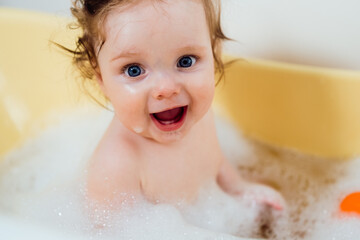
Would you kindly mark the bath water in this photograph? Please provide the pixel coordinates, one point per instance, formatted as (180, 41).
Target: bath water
(313, 188)
(42, 182)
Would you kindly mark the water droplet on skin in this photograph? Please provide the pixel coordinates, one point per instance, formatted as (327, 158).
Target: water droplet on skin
(138, 129)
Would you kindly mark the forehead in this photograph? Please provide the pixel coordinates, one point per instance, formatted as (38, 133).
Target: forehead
(141, 9)
(155, 18)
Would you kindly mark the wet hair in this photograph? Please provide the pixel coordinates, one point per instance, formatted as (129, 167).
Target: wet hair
(91, 14)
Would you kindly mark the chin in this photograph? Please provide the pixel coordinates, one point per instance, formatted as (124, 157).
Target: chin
(169, 137)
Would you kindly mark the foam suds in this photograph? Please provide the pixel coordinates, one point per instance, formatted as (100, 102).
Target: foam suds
(138, 129)
(313, 188)
(42, 183)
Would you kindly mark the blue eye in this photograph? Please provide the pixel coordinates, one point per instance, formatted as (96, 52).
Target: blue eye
(133, 71)
(186, 62)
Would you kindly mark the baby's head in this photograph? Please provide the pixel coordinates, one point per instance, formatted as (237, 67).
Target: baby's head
(91, 15)
(154, 60)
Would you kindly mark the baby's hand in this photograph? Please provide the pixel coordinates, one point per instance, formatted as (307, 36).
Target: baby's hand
(232, 183)
(261, 194)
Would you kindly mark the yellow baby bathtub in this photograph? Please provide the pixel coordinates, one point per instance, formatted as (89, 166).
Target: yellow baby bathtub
(312, 110)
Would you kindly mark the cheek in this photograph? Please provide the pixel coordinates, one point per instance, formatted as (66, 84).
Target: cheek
(128, 101)
(131, 113)
(204, 87)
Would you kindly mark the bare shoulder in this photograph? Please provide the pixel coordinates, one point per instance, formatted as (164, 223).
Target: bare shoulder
(113, 170)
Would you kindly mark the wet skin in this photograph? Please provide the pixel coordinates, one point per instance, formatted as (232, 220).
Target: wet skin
(156, 68)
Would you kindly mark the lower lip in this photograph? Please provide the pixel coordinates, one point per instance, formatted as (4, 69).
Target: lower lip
(173, 126)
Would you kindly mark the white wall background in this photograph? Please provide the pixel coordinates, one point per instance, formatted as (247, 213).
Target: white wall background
(54, 6)
(315, 32)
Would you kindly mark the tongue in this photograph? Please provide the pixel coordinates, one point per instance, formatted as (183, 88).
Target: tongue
(168, 115)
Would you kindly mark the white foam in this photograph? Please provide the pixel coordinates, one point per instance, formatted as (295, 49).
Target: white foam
(12, 228)
(220, 212)
(42, 182)
(147, 221)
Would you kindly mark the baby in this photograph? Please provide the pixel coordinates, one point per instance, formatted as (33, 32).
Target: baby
(155, 61)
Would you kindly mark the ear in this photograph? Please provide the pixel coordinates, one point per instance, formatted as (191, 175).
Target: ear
(100, 80)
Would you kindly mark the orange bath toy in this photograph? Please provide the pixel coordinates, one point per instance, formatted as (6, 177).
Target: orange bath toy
(351, 203)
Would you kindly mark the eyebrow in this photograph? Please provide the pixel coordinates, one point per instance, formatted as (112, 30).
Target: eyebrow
(191, 48)
(127, 54)
(184, 49)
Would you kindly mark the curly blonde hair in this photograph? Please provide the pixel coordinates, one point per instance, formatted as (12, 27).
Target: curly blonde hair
(91, 14)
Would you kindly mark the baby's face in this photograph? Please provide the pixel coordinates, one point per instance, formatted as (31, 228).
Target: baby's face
(157, 67)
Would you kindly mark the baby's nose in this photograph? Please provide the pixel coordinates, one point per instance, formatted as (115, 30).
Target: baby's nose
(166, 88)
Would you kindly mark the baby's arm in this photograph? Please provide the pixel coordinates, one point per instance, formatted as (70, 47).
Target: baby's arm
(231, 182)
(112, 174)
(109, 180)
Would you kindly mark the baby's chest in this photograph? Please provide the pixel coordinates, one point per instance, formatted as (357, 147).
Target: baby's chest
(179, 175)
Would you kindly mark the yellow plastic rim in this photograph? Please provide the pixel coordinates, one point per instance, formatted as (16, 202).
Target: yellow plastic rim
(313, 110)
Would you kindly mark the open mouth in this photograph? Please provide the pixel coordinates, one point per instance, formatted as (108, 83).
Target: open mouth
(171, 119)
